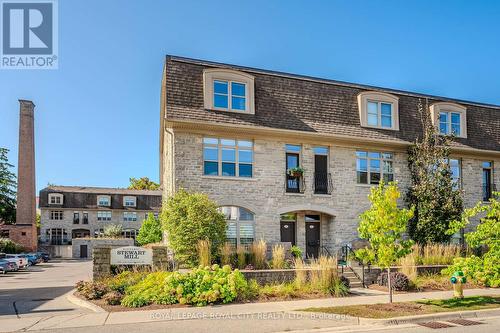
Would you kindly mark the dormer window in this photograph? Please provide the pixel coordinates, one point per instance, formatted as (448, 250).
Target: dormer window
(228, 90)
(450, 119)
(378, 110)
(55, 199)
(129, 201)
(104, 200)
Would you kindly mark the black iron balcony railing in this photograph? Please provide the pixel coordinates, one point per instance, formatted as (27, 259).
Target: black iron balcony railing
(76, 220)
(294, 184)
(85, 220)
(322, 183)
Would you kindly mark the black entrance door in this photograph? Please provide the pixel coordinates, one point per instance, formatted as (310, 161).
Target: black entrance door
(83, 251)
(320, 174)
(287, 231)
(312, 239)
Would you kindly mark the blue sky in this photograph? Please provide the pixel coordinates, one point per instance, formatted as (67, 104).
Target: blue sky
(97, 116)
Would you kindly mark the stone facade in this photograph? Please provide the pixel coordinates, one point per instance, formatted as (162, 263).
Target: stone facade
(310, 112)
(90, 243)
(85, 201)
(264, 194)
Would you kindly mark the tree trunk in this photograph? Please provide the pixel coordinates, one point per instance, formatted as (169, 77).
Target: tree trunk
(389, 284)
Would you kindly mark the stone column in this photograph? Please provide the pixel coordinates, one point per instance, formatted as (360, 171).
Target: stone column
(160, 258)
(101, 260)
(26, 199)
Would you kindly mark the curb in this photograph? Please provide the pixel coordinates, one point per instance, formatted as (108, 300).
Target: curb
(431, 317)
(83, 303)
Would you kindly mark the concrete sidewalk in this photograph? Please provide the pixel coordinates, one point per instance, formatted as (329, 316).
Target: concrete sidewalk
(257, 311)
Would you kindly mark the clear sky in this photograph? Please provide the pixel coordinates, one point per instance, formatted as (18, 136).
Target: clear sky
(97, 116)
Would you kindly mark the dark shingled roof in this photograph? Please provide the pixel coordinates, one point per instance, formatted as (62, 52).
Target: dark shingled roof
(301, 103)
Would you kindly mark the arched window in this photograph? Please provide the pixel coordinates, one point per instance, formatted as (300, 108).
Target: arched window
(378, 110)
(240, 225)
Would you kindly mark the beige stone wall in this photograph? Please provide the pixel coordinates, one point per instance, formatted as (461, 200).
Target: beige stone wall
(93, 225)
(264, 194)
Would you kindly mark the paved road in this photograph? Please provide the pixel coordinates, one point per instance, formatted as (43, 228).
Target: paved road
(41, 289)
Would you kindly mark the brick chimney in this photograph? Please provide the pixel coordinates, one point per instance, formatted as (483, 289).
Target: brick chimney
(26, 199)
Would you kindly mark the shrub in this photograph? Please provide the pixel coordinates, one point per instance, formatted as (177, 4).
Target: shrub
(200, 286)
(259, 254)
(241, 253)
(226, 254)
(92, 290)
(150, 231)
(113, 298)
(113, 231)
(9, 246)
(399, 281)
(124, 280)
(300, 272)
(188, 218)
(203, 248)
(296, 251)
(408, 264)
(278, 260)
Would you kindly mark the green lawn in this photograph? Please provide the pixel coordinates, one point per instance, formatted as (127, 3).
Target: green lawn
(387, 310)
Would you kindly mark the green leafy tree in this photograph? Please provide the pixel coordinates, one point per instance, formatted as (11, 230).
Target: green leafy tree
(142, 183)
(7, 189)
(433, 193)
(188, 218)
(150, 232)
(383, 225)
(485, 269)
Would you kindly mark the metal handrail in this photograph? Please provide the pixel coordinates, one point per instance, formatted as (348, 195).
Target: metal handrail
(322, 183)
(299, 181)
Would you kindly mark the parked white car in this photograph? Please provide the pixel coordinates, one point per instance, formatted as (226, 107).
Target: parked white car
(21, 261)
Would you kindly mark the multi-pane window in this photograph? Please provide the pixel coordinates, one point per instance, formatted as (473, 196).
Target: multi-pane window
(104, 216)
(130, 233)
(56, 214)
(379, 114)
(229, 95)
(449, 123)
(371, 167)
(55, 199)
(129, 216)
(227, 157)
(103, 200)
(129, 201)
(487, 180)
(76, 218)
(240, 225)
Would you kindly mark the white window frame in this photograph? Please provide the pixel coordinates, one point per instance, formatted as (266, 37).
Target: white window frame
(379, 98)
(99, 197)
(457, 181)
(368, 167)
(56, 215)
(129, 216)
(449, 108)
(107, 215)
(227, 75)
(128, 199)
(220, 146)
(58, 199)
(239, 222)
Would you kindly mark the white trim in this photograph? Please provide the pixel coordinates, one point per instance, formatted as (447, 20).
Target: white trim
(436, 108)
(103, 196)
(55, 196)
(218, 74)
(128, 197)
(378, 97)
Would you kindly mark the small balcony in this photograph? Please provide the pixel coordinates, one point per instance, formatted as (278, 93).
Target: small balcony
(488, 190)
(76, 220)
(322, 183)
(294, 184)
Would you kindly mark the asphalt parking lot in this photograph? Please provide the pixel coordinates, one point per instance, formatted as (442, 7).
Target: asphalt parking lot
(41, 289)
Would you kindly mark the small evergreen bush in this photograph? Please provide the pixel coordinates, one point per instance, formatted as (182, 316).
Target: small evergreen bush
(399, 281)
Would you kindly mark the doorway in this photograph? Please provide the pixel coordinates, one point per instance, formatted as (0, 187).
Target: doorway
(83, 251)
(312, 235)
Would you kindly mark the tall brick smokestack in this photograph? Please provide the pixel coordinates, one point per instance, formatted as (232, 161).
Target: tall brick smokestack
(26, 200)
